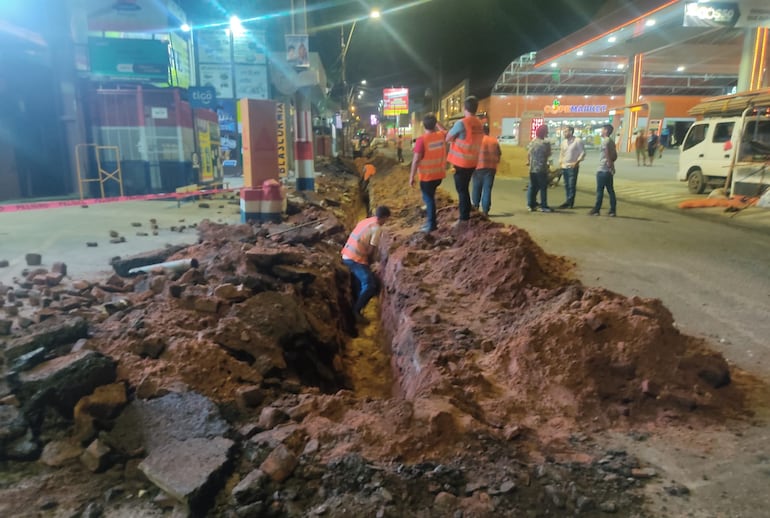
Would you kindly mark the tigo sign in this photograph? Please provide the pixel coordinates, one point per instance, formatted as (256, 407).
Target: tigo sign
(203, 97)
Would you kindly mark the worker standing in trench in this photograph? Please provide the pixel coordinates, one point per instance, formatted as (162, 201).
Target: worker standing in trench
(465, 138)
(358, 253)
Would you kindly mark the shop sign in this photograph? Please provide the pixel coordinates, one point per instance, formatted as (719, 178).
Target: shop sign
(744, 13)
(280, 118)
(711, 14)
(574, 109)
(203, 97)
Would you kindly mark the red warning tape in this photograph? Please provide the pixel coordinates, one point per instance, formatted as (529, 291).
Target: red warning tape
(18, 207)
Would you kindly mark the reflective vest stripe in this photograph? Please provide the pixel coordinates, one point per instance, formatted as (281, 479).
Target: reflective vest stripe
(356, 246)
(488, 157)
(431, 167)
(465, 152)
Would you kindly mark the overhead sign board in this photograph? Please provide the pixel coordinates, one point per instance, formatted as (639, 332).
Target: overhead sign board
(143, 60)
(744, 13)
(131, 15)
(395, 101)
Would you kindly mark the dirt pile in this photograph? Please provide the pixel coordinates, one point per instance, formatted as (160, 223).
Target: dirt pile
(503, 365)
(483, 317)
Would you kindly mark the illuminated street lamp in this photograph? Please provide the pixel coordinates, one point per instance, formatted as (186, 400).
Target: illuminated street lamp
(236, 26)
(345, 43)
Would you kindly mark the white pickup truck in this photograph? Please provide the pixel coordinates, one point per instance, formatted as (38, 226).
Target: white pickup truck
(730, 147)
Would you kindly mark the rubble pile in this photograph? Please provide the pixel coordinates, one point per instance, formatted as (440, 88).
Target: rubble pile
(223, 390)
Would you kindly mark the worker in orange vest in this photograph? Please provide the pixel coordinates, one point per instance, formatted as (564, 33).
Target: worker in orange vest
(484, 175)
(358, 253)
(465, 138)
(428, 164)
(369, 171)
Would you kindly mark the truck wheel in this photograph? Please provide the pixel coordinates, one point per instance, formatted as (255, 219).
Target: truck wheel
(696, 183)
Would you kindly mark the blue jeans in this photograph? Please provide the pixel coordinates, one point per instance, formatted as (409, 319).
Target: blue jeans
(604, 180)
(538, 182)
(367, 283)
(462, 182)
(428, 190)
(483, 180)
(570, 175)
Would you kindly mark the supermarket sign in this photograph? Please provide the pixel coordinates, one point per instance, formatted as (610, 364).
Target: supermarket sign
(395, 101)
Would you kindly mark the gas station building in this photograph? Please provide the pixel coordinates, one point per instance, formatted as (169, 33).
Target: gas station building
(642, 65)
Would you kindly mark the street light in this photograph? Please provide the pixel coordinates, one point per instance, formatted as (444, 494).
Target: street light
(345, 43)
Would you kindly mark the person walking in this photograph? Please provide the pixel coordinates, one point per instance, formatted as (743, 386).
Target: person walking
(539, 151)
(652, 146)
(400, 149)
(640, 144)
(465, 138)
(606, 172)
(359, 252)
(484, 175)
(572, 153)
(428, 165)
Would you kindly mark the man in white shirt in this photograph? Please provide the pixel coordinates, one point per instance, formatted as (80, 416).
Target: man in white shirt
(572, 153)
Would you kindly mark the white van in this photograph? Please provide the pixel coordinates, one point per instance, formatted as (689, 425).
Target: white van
(736, 146)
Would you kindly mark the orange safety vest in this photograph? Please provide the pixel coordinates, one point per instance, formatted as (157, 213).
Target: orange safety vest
(465, 153)
(488, 155)
(369, 171)
(431, 167)
(356, 249)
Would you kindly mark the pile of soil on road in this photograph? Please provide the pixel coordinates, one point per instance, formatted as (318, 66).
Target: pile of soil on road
(503, 364)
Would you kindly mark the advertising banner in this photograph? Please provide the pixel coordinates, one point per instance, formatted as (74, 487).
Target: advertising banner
(213, 46)
(220, 77)
(395, 101)
(251, 82)
(297, 50)
(249, 48)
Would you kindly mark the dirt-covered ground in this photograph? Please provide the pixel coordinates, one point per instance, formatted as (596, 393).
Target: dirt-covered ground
(482, 386)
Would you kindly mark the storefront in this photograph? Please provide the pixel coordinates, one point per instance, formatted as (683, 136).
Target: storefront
(513, 119)
(648, 63)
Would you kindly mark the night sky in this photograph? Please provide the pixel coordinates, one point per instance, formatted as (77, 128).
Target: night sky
(421, 43)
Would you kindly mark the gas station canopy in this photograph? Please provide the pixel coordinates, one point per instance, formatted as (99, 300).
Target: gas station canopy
(679, 58)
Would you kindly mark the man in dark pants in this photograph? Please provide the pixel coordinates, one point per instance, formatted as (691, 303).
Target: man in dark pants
(572, 153)
(359, 252)
(606, 173)
(465, 138)
(539, 151)
(428, 164)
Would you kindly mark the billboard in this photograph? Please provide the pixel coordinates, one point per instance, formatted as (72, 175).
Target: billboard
(129, 59)
(395, 101)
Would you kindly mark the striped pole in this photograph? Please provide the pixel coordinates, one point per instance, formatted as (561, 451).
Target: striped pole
(303, 145)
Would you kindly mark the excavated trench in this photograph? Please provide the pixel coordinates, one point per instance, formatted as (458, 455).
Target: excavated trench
(477, 389)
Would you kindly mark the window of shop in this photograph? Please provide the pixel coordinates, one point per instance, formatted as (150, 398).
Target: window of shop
(589, 130)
